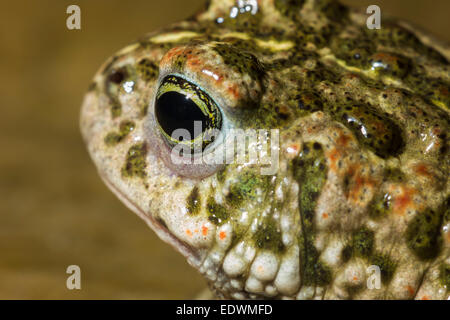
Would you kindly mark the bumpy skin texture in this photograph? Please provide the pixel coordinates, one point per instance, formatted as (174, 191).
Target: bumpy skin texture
(362, 176)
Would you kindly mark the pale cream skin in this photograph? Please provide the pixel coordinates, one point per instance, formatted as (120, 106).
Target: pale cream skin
(313, 228)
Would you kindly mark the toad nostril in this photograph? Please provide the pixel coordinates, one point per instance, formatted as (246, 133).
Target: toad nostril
(117, 76)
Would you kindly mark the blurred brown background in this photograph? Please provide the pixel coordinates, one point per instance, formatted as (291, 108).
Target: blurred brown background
(54, 210)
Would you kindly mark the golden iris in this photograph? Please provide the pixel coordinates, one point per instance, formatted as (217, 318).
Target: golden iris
(181, 104)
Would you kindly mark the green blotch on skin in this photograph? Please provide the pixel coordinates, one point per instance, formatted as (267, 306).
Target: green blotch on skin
(380, 206)
(362, 245)
(310, 171)
(386, 265)
(240, 61)
(194, 201)
(114, 138)
(444, 275)
(135, 163)
(423, 233)
(267, 236)
(246, 187)
(314, 271)
(147, 69)
(363, 242)
(217, 213)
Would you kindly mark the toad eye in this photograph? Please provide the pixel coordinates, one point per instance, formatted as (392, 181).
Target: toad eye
(183, 105)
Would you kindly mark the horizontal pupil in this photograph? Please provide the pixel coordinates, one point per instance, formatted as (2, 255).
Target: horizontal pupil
(174, 110)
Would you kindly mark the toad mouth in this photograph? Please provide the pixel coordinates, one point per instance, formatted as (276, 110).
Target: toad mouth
(158, 227)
